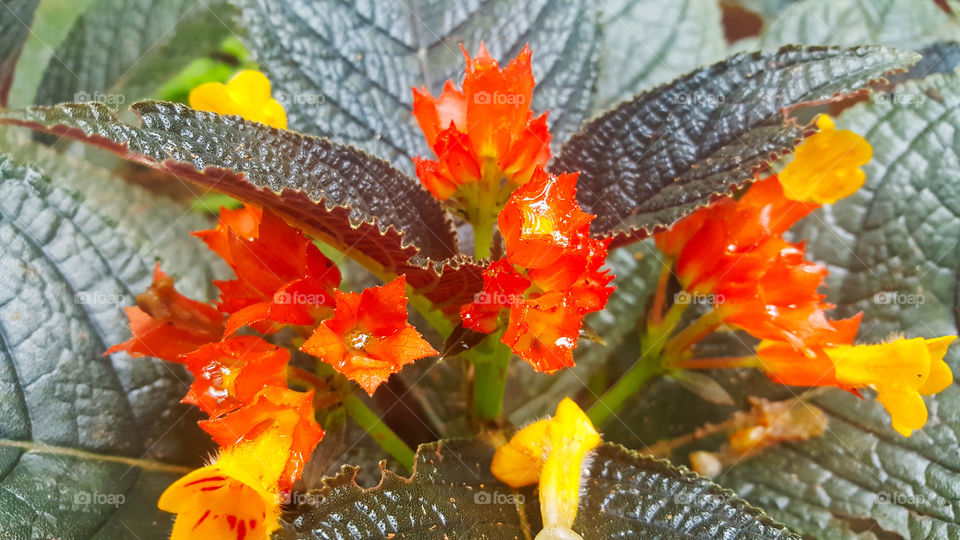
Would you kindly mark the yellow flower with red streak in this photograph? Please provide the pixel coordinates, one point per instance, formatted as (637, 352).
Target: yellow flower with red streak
(246, 95)
(236, 496)
(901, 371)
(483, 134)
(550, 452)
(368, 338)
(282, 277)
(550, 278)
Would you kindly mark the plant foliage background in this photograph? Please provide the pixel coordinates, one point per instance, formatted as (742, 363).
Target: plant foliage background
(77, 243)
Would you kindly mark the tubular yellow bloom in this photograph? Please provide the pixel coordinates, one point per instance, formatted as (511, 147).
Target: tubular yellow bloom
(235, 497)
(826, 167)
(246, 95)
(900, 371)
(560, 444)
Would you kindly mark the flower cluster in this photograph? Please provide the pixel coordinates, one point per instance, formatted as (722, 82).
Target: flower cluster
(550, 278)
(483, 133)
(266, 431)
(733, 251)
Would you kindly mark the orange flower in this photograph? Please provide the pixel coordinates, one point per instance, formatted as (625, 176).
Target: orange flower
(282, 277)
(484, 133)
(165, 324)
(548, 236)
(503, 287)
(230, 373)
(368, 338)
(287, 412)
(733, 250)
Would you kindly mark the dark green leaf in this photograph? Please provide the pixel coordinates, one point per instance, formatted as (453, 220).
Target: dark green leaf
(347, 68)
(655, 159)
(87, 442)
(894, 253)
(349, 199)
(677, 36)
(15, 20)
(453, 495)
(121, 50)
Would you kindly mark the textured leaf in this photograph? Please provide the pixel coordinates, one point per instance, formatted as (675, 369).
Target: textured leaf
(907, 24)
(81, 434)
(15, 21)
(655, 159)
(677, 37)
(349, 199)
(125, 49)
(347, 68)
(894, 252)
(453, 495)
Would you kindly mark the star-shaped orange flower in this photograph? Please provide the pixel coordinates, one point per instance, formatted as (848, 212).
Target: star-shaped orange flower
(368, 338)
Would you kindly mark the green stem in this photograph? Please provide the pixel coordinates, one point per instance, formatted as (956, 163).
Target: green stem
(649, 365)
(611, 401)
(380, 432)
(490, 361)
(713, 363)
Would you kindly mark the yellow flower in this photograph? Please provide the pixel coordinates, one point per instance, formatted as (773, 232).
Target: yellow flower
(246, 95)
(560, 444)
(900, 371)
(235, 497)
(826, 167)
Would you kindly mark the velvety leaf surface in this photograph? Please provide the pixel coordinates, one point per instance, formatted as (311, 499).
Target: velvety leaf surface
(904, 24)
(453, 495)
(123, 50)
(87, 442)
(653, 160)
(349, 199)
(649, 42)
(15, 21)
(894, 253)
(347, 67)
